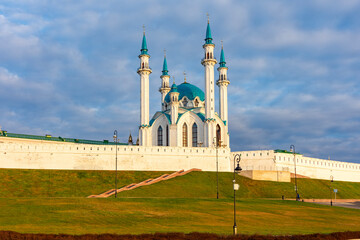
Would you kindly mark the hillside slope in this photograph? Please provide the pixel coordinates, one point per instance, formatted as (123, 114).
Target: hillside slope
(66, 183)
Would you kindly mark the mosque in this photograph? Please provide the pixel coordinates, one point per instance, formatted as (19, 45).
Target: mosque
(187, 117)
(185, 133)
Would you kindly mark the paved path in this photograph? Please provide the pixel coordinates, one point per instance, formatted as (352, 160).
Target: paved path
(355, 205)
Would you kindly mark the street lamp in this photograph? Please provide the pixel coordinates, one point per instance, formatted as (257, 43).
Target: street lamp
(331, 180)
(116, 140)
(217, 166)
(237, 158)
(292, 149)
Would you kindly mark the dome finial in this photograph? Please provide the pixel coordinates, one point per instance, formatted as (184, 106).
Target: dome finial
(222, 44)
(173, 80)
(164, 53)
(207, 14)
(143, 28)
(184, 76)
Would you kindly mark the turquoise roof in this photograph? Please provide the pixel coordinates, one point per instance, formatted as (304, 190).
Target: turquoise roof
(222, 59)
(208, 39)
(173, 89)
(165, 68)
(156, 116)
(144, 50)
(188, 90)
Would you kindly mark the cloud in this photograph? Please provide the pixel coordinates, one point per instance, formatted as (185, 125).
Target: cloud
(70, 69)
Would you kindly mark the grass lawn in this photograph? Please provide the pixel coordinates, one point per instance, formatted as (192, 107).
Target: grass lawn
(141, 215)
(70, 183)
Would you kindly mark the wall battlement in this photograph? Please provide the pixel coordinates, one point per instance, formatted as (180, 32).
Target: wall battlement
(41, 154)
(307, 166)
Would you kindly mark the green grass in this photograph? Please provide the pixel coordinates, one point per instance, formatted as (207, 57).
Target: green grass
(66, 183)
(135, 216)
(53, 201)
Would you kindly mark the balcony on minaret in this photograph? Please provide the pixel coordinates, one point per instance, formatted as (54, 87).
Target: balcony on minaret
(209, 58)
(144, 67)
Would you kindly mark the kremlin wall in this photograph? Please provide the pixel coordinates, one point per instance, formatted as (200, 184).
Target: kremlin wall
(42, 154)
(274, 165)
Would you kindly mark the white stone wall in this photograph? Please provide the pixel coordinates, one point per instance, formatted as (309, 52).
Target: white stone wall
(307, 166)
(36, 154)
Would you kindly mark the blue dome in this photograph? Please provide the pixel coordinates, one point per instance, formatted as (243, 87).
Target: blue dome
(188, 90)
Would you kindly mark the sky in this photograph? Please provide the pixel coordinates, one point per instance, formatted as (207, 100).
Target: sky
(68, 68)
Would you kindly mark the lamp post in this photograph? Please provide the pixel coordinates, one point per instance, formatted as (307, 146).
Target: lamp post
(292, 149)
(237, 158)
(116, 140)
(217, 166)
(331, 180)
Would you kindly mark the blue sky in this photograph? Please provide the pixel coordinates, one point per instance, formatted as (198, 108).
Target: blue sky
(69, 69)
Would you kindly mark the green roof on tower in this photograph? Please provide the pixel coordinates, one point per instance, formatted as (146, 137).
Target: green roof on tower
(173, 88)
(208, 39)
(144, 50)
(222, 58)
(165, 68)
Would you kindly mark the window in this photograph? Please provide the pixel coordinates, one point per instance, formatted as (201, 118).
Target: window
(160, 136)
(196, 102)
(194, 135)
(185, 102)
(167, 135)
(207, 55)
(185, 137)
(218, 134)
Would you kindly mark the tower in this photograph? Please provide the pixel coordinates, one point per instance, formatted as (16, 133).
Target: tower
(223, 82)
(209, 62)
(144, 71)
(174, 112)
(164, 89)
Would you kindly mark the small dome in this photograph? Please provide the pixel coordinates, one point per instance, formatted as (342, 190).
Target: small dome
(188, 90)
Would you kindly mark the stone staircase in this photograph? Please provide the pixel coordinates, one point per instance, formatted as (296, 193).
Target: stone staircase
(144, 183)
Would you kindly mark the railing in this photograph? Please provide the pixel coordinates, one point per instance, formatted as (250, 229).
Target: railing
(144, 68)
(204, 59)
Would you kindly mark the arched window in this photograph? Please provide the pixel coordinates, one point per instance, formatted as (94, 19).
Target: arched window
(194, 135)
(142, 65)
(185, 137)
(167, 135)
(160, 136)
(196, 102)
(208, 56)
(185, 102)
(218, 135)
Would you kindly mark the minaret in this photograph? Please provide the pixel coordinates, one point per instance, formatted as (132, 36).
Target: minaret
(208, 62)
(223, 82)
(144, 72)
(164, 89)
(174, 112)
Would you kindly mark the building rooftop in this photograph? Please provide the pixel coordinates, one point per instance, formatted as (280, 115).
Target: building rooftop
(57, 139)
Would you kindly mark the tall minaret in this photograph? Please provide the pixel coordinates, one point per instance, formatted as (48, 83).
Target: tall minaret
(174, 112)
(208, 62)
(223, 82)
(144, 72)
(164, 89)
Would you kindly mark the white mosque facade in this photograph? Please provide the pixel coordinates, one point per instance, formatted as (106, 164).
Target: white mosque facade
(185, 133)
(187, 117)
